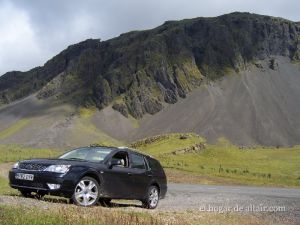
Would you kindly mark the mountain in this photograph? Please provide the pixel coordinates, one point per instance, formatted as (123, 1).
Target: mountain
(235, 76)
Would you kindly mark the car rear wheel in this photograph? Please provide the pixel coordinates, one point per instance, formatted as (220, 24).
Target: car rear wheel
(86, 192)
(152, 198)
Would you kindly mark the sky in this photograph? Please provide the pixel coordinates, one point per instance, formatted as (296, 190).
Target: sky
(33, 31)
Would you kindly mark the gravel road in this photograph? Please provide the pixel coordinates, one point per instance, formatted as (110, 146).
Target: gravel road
(278, 204)
(274, 204)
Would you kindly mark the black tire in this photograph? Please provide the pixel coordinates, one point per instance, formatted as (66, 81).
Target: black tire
(152, 198)
(40, 194)
(85, 196)
(26, 193)
(105, 202)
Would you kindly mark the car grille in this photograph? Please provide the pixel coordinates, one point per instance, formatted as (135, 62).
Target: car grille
(32, 166)
(32, 184)
(37, 185)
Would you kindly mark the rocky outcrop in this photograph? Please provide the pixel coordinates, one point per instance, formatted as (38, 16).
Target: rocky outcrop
(196, 148)
(15, 85)
(121, 108)
(149, 140)
(149, 68)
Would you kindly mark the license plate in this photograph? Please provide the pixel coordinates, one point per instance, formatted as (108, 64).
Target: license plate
(24, 176)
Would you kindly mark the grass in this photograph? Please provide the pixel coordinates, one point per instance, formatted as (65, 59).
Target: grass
(86, 113)
(13, 153)
(72, 215)
(229, 164)
(168, 144)
(215, 164)
(222, 163)
(13, 128)
(5, 189)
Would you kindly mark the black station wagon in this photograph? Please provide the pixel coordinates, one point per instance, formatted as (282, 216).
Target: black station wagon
(89, 175)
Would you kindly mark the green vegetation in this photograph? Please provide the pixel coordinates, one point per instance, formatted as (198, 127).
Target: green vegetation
(187, 158)
(72, 215)
(5, 189)
(86, 113)
(13, 153)
(159, 145)
(198, 162)
(226, 163)
(13, 128)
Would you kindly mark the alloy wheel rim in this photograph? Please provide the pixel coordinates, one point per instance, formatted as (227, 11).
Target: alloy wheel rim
(86, 192)
(153, 197)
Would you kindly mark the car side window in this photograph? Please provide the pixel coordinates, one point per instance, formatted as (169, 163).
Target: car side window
(137, 161)
(123, 156)
(154, 165)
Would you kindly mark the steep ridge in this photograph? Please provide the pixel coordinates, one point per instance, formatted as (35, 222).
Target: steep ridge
(234, 76)
(140, 71)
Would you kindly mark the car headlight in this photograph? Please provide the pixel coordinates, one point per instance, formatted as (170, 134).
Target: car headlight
(16, 166)
(58, 168)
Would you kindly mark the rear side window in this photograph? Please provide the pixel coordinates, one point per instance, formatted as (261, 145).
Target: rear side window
(137, 161)
(154, 165)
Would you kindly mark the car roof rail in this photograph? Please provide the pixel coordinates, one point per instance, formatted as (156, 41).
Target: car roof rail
(99, 145)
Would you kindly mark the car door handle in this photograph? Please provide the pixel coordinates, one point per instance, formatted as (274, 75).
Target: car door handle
(129, 174)
(150, 175)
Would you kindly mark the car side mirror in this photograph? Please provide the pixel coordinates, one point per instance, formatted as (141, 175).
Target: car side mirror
(115, 162)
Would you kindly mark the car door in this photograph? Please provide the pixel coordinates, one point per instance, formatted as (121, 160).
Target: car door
(117, 181)
(140, 176)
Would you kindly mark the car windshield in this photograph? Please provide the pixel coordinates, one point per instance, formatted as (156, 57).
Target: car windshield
(94, 154)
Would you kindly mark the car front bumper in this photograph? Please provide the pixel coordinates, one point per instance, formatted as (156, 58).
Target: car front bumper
(41, 180)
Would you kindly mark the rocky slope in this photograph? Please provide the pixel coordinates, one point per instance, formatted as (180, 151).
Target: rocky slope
(256, 106)
(142, 74)
(139, 71)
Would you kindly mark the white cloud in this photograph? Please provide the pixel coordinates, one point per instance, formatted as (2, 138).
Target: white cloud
(17, 40)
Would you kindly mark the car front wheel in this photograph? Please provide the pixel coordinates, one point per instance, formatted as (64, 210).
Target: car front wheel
(152, 198)
(86, 192)
(26, 193)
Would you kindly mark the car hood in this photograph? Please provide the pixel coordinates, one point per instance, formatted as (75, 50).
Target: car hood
(57, 161)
